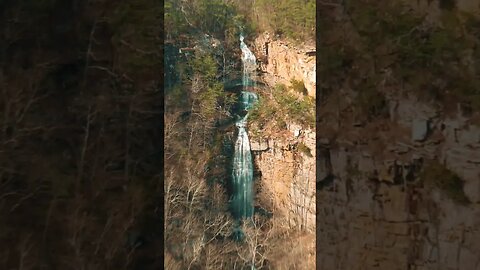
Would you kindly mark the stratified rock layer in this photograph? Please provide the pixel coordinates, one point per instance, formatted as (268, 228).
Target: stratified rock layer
(372, 211)
(288, 177)
(282, 62)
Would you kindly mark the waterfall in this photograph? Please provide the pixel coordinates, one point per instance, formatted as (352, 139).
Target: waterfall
(242, 174)
(249, 64)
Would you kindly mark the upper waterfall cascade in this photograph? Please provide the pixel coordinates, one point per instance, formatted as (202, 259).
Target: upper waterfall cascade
(242, 175)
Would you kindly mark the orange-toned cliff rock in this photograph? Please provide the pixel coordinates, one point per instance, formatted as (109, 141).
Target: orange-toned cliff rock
(282, 61)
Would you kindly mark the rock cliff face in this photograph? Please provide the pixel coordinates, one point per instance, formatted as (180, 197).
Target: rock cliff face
(376, 209)
(373, 212)
(281, 61)
(288, 176)
(284, 160)
(286, 163)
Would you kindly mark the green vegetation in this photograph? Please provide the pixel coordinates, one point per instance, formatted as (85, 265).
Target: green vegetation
(299, 87)
(437, 175)
(215, 17)
(284, 107)
(210, 90)
(301, 110)
(294, 19)
(264, 110)
(201, 86)
(438, 61)
(304, 149)
(370, 102)
(447, 4)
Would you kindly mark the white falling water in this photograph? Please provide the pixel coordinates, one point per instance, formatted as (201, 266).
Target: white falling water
(242, 162)
(249, 64)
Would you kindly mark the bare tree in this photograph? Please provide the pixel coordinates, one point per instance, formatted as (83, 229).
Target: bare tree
(257, 233)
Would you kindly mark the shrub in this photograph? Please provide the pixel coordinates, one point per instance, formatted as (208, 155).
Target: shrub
(370, 101)
(294, 19)
(299, 110)
(283, 108)
(281, 123)
(299, 87)
(261, 112)
(437, 175)
(304, 149)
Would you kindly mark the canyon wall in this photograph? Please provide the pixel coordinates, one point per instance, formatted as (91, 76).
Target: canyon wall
(288, 176)
(399, 188)
(284, 155)
(434, 9)
(281, 61)
(373, 211)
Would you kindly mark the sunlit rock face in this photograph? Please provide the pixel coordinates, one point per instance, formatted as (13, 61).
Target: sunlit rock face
(288, 176)
(282, 62)
(370, 203)
(285, 159)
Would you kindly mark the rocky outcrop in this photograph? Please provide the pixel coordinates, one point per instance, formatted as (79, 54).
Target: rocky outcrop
(434, 7)
(286, 165)
(285, 159)
(375, 208)
(288, 176)
(372, 210)
(261, 145)
(282, 62)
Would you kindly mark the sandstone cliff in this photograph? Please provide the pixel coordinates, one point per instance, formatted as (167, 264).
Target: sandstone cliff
(285, 159)
(288, 176)
(373, 211)
(286, 187)
(281, 61)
